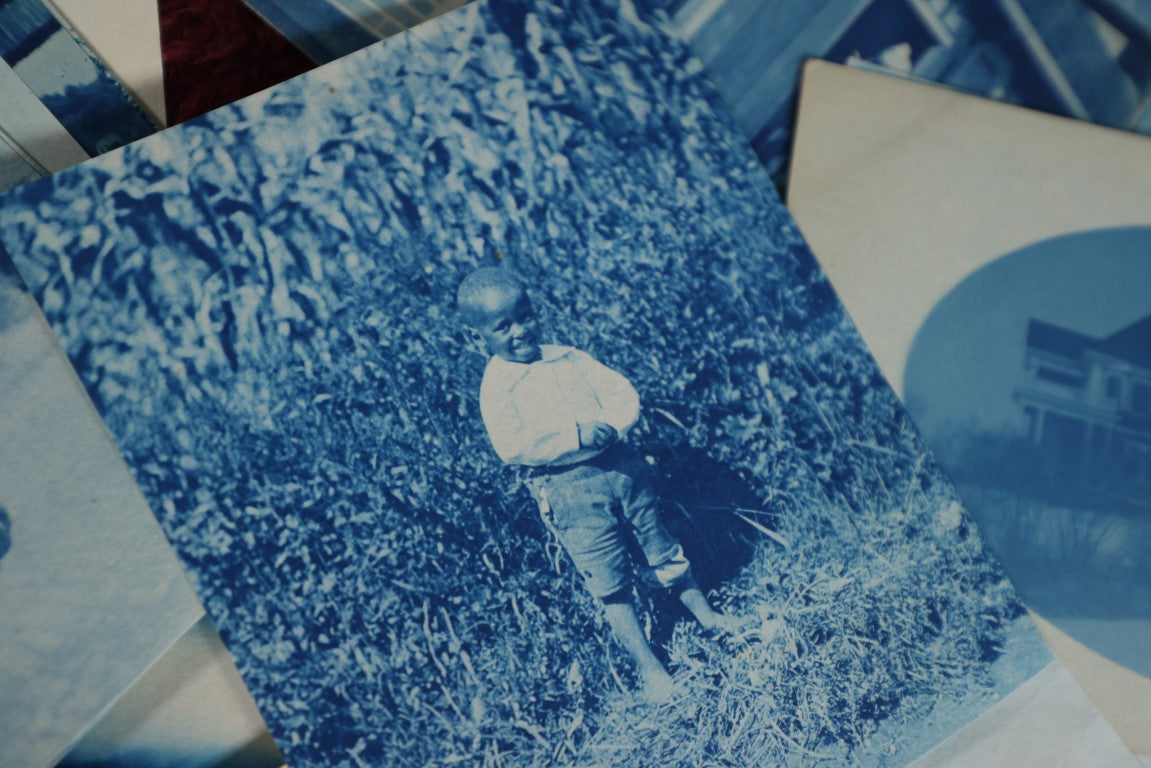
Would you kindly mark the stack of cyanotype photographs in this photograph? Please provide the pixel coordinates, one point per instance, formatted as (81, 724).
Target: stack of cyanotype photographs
(59, 104)
(124, 35)
(106, 657)
(88, 585)
(261, 305)
(328, 29)
(1086, 59)
(33, 143)
(1017, 334)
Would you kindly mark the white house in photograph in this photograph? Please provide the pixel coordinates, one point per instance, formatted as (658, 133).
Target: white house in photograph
(1088, 405)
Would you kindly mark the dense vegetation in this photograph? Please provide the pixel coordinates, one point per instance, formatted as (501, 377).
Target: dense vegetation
(260, 304)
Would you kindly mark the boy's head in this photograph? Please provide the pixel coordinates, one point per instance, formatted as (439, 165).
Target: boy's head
(494, 305)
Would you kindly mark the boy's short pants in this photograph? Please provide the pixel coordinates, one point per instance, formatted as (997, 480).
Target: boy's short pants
(592, 506)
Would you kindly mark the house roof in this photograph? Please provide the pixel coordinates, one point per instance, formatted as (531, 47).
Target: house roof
(1056, 339)
(1131, 343)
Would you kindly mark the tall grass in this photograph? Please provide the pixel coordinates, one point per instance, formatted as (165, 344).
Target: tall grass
(260, 305)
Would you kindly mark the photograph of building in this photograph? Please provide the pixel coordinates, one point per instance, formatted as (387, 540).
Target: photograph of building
(1087, 59)
(1088, 406)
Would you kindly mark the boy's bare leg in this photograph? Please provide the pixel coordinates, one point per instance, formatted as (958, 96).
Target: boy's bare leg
(621, 617)
(697, 603)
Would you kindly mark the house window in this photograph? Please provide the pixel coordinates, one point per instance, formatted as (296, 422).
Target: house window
(1114, 387)
(1141, 398)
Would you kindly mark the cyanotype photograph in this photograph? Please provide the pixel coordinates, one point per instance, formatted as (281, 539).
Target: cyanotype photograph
(1086, 59)
(90, 592)
(502, 417)
(33, 142)
(1015, 333)
(75, 86)
(1032, 377)
(187, 709)
(328, 29)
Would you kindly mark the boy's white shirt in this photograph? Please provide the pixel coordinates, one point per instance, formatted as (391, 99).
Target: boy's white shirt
(532, 410)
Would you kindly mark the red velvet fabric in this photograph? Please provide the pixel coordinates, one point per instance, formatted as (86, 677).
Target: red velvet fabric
(217, 51)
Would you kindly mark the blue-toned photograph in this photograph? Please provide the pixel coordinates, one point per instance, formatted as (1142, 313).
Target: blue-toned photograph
(1087, 59)
(188, 709)
(15, 165)
(33, 143)
(502, 417)
(1033, 379)
(325, 30)
(75, 86)
(90, 592)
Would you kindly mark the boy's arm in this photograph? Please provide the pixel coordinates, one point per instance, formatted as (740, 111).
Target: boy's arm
(543, 442)
(616, 395)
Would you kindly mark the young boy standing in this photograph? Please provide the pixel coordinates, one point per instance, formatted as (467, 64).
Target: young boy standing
(563, 416)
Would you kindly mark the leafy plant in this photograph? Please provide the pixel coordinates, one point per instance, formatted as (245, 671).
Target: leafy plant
(260, 304)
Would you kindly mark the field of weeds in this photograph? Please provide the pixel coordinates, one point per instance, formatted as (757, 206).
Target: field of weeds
(260, 304)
